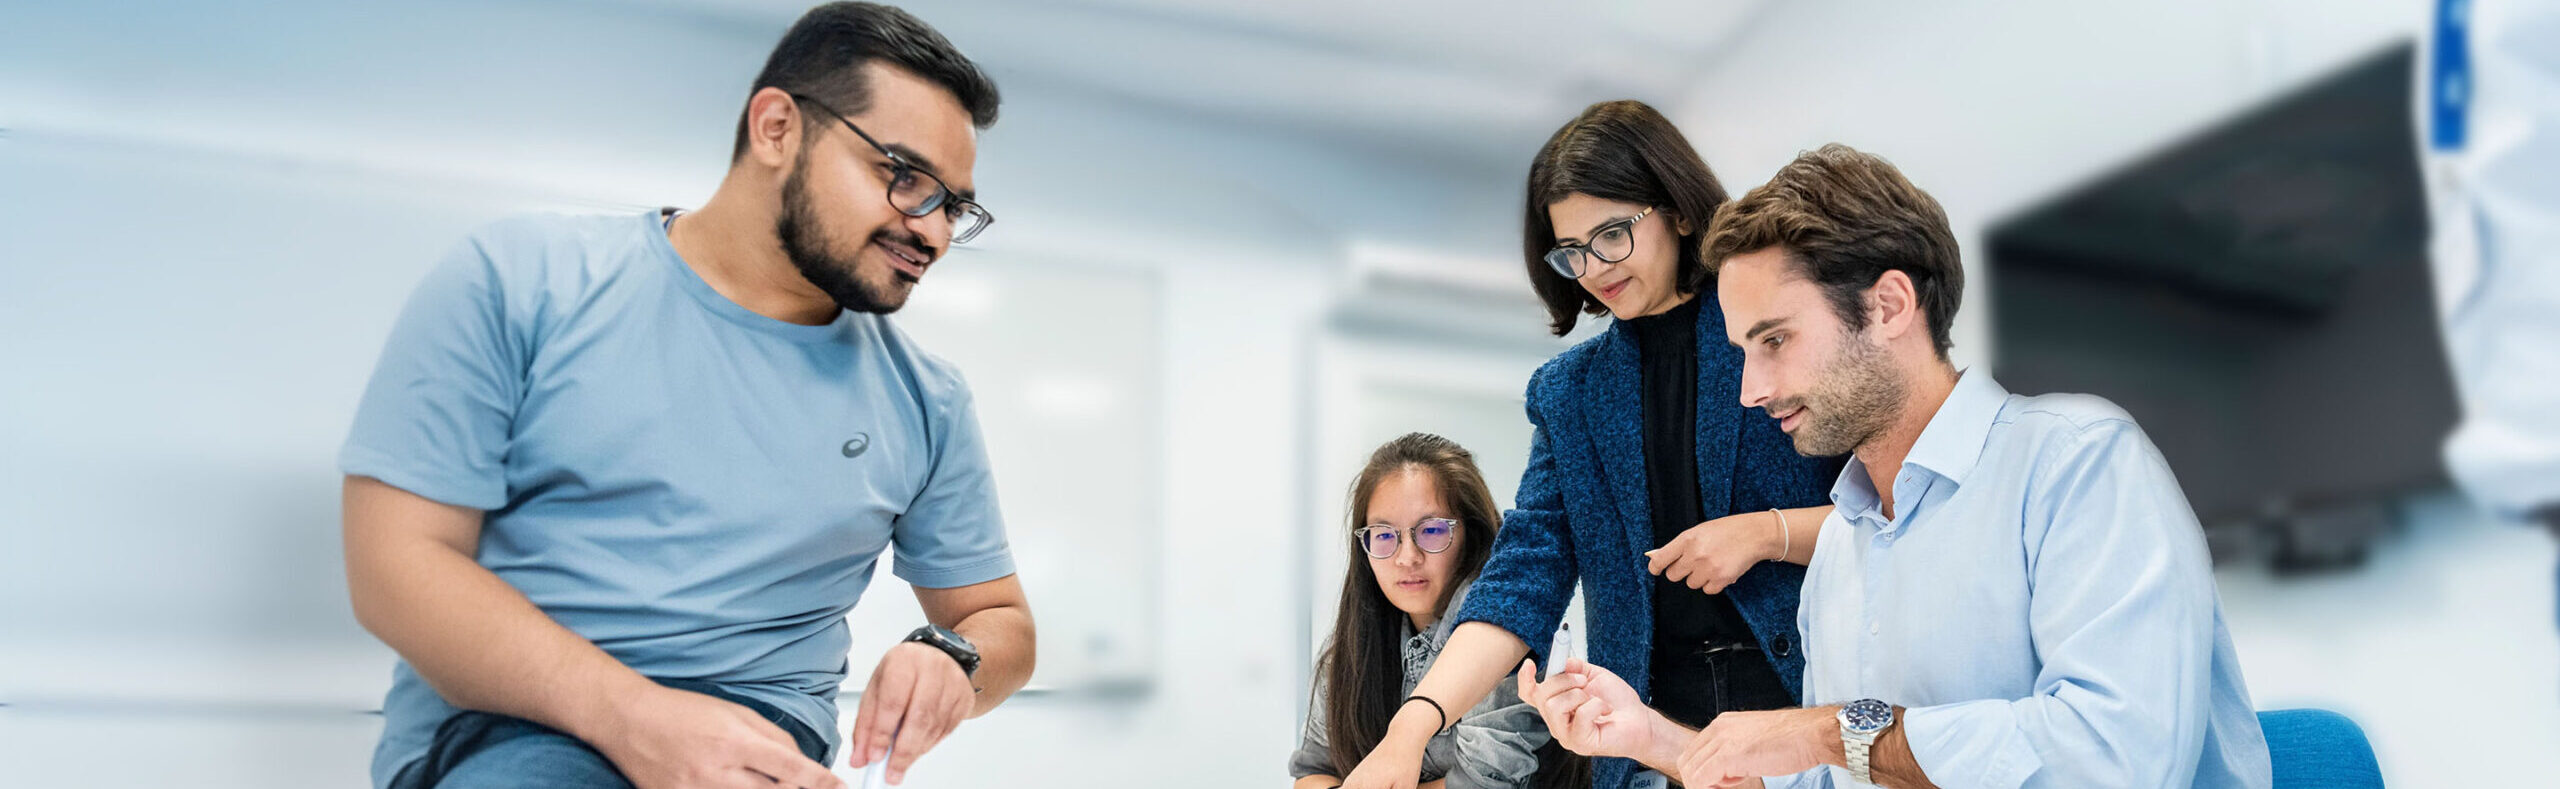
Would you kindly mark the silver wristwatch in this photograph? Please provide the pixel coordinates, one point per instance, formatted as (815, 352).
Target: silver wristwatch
(1861, 722)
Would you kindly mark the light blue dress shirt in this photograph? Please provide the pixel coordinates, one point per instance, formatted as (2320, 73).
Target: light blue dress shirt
(2041, 601)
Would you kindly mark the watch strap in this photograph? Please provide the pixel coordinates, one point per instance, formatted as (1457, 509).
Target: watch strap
(949, 643)
(1858, 748)
(1857, 743)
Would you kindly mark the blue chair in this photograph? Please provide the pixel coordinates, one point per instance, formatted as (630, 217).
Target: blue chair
(2319, 748)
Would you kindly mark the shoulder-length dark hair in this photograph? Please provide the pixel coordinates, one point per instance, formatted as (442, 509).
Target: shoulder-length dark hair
(1616, 150)
(1363, 664)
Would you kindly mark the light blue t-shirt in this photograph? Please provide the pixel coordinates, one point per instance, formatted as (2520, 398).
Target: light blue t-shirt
(700, 490)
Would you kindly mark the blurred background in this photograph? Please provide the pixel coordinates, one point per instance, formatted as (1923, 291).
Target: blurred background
(1242, 243)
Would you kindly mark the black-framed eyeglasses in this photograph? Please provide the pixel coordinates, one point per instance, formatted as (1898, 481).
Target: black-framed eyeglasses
(915, 191)
(1610, 243)
(1432, 535)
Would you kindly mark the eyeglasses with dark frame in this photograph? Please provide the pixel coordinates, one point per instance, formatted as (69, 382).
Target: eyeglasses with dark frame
(1610, 243)
(1431, 535)
(915, 191)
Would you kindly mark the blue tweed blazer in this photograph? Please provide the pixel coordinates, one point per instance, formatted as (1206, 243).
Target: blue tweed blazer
(1583, 514)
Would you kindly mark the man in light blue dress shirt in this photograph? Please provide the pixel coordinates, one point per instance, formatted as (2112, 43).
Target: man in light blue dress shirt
(2012, 591)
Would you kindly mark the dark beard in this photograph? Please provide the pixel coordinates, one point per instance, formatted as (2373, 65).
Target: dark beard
(1858, 398)
(806, 246)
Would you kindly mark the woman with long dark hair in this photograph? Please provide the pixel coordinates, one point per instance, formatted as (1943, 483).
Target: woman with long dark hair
(1422, 523)
(1648, 483)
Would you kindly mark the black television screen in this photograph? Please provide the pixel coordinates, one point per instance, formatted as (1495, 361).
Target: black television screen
(2257, 296)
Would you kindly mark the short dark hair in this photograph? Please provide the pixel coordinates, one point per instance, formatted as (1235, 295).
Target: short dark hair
(1615, 150)
(823, 54)
(1843, 219)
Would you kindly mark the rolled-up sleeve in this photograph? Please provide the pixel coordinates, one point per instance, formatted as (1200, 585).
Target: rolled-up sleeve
(1496, 745)
(1529, 580)
(1313, 756)
(1816, 778)
(2123, 620)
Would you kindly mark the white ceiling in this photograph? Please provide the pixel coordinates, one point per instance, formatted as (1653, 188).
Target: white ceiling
(1481, 81)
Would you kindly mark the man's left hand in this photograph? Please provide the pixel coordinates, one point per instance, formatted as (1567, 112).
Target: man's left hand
(1740, 747)
(916, 697)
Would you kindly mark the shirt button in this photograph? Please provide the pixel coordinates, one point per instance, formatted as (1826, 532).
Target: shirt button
(1875, 629)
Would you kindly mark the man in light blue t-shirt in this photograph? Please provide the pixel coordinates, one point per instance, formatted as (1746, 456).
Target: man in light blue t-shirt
(617, 480)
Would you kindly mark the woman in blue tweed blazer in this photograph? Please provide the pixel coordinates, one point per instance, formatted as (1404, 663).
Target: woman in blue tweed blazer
(1615, 200)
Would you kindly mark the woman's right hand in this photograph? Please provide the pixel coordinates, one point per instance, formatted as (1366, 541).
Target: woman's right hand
(1391, 765)
(1712, 555)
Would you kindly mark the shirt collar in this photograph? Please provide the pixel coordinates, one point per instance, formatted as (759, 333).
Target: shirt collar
(1422, 647)
(1440, 630)
(1948, 447)
(1952, 443)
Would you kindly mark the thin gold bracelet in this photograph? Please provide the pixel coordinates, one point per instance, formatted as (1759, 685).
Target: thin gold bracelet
(1787, 534)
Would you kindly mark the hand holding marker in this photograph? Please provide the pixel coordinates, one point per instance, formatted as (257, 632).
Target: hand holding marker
(877, 775)
(1561, 651)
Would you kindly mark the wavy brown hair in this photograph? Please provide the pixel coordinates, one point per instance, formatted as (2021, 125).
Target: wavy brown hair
(1843, 218)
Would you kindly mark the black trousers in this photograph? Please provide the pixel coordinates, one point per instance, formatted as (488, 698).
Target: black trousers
(1693, 683)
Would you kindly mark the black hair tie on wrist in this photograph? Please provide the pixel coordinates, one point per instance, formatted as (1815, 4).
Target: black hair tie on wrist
(1435, 707)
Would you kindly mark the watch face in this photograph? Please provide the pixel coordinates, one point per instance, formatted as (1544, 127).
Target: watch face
(960, 650)
(1866, 715)
(955, 641)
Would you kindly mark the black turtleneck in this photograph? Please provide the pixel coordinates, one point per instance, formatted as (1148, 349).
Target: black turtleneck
(1687, 621)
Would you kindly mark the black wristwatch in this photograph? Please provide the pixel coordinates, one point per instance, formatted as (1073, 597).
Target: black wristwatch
(951, 644)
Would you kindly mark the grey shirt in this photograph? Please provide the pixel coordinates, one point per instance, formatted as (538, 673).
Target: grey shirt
(1492, 746)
